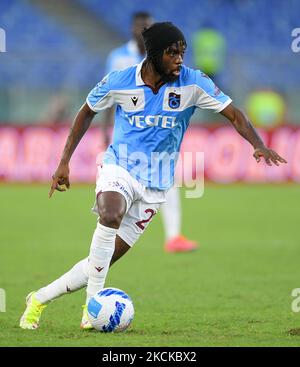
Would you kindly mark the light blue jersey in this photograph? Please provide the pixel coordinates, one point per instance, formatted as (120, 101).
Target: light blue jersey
(149, 127)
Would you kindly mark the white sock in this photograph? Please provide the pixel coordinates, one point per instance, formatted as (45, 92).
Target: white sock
(171, 213)
(102, 249)
(73, 280)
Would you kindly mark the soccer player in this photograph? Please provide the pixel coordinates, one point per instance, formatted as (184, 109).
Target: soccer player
(131, 53)
(155, 100)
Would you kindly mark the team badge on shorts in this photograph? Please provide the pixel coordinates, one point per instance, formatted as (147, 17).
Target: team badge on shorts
(174, 100)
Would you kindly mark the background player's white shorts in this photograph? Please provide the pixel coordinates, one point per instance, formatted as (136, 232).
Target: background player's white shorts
(142, 202)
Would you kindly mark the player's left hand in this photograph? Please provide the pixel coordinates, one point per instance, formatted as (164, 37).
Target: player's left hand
(269, 155)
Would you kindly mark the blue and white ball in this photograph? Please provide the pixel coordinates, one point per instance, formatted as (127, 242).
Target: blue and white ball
(110, 310)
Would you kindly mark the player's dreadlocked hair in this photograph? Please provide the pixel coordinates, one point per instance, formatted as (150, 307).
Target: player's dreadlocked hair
(157, 38)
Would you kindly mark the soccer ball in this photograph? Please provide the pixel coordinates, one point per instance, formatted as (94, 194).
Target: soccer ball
(110, 310)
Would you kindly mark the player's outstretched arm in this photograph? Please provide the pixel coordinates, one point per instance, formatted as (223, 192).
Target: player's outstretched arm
(83, 119)
(247, 131)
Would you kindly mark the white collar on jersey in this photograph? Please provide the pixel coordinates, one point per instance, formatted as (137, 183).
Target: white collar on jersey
(138, 74)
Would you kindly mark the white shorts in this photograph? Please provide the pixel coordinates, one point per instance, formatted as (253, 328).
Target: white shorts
(142, 202)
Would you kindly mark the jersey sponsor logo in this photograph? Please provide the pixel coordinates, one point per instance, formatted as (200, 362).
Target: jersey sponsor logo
(134, 100)
(166, 122)
(174, 100)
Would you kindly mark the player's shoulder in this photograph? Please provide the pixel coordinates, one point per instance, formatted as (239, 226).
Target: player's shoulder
(191, 76)
(204, 85)
(120, 79)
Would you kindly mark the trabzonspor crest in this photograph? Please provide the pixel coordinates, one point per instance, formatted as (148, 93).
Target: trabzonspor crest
(174, 100)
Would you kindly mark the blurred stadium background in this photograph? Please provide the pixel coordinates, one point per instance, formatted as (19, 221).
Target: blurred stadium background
(239, 283)
(60, 47)
(56, 52)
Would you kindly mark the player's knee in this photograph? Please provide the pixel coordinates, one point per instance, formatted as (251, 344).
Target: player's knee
(111, 218)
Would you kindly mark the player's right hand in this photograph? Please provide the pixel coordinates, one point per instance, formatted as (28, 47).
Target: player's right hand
(60, 179)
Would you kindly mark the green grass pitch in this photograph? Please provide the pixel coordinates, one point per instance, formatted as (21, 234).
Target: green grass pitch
(234, 291)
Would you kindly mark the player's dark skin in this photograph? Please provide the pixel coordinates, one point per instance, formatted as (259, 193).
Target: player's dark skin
(112, 205)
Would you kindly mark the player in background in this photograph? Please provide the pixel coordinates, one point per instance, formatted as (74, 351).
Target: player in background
(129, 54)
(156, 100)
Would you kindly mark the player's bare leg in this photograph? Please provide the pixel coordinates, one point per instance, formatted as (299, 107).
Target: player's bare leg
(121, 248)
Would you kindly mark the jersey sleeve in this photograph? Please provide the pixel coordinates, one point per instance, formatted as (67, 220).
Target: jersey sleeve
(100, 97)
(208, 95)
